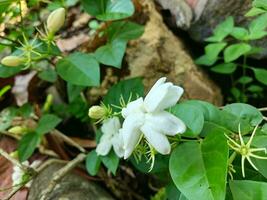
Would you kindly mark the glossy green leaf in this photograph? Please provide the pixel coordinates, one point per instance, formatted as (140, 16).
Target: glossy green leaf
(27, 145)
(6, 72)
(248, 190)
(111, 161)
(112, 53)
(246, 112)
(48, 75)
(107, 10)
(234, 51)
(199, 170)
(224, 68)
(47, 123)
(261, 75)
(128, 89)
(191, 115)
(79, 69)
(93, 163)
(124, 30)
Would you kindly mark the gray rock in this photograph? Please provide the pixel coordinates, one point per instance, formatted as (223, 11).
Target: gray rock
(71, 187)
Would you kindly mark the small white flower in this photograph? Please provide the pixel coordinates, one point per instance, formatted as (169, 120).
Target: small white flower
(149, 117)
(18, 174)
(111, 137)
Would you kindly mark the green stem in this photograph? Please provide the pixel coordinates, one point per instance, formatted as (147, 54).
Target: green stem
(232, 157)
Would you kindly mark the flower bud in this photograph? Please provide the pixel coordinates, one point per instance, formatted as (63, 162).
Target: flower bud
(17, 130)
(56, 20)
(12, 61)
(14, 154)
(97, 112)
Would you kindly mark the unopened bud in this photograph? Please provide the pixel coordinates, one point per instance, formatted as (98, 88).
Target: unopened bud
(12, 61)
(14, 154)
(17, 130)
(97, 112)
(56, 20)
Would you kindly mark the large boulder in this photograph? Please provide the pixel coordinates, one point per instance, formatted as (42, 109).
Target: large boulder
(160, 53)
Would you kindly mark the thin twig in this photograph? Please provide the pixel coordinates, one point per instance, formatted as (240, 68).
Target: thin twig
(68, 140)
(57, 176)
(14, 161)
(262, 109)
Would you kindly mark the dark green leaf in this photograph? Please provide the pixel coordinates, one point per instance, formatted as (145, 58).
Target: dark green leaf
(191, 115)
(245, 80)
(248, 190)
(93, 163)
(246, 112)
(112, 53)
(107, 10)
(6, 72)
(111, 161)
(74, 91)
(204, 60)
(131, 88)
(47, 123)
(48, 75)
(27, 145)
(255, 88)
(203, 176)
(124, 30)
(79, 69)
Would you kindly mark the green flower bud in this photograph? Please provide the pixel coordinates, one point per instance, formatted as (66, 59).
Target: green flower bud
(12, 61)
(17, 130)
(14, 154)
(97, 112)
(56, 20)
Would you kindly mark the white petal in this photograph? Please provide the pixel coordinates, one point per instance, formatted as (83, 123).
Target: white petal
(166, 123)
(103, 148)
(133, 107)
(162, 97)
(157, 140)
(111, 126)
(117, 142)
(131, 132)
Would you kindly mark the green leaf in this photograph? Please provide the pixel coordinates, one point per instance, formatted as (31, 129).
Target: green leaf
(124, 30)
(204, 60)
(260, 4)
(246, 112)
(48, 75)
(93, 163)
(107, 10)
(79, 69)
(234, 51)
(239, 33)
(111, 161)
(222, 30)
(128, 89)
(74, 91)
(248, 190)
(224, 68)
(255, 88)
(199, 170)
(258, 25)
(254, 11)
(27, 145)
(191, 115)
(112, 53)
(245, 80)
(261, 75)
(212, 50)
(6, 72)
(47, 123)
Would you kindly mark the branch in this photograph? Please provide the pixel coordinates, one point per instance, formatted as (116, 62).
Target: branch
(57, 176)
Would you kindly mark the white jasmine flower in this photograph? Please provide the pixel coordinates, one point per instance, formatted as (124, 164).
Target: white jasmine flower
(148, 116)
(111, 137)
(18, 175)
